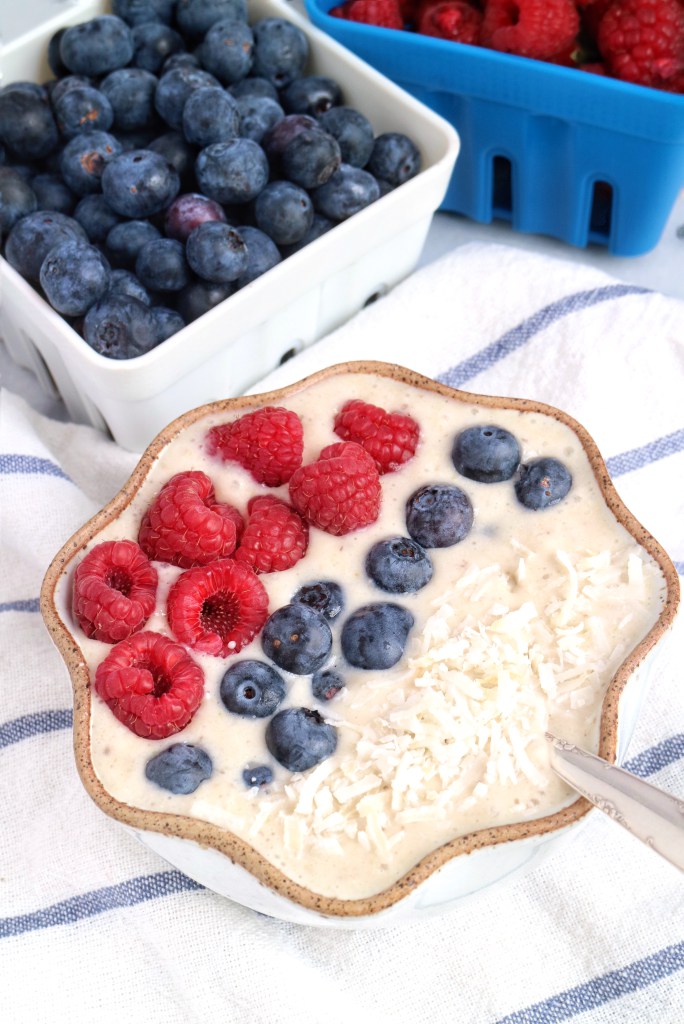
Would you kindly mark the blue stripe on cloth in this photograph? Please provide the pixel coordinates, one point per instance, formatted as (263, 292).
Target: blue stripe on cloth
(31, 604)
(519, 335)
(31, 464)
(653, 759)
(88, 904)
(637, 458)
(603, 989)
(34, 725)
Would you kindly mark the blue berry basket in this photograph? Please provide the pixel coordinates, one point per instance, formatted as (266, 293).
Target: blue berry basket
(553, 150)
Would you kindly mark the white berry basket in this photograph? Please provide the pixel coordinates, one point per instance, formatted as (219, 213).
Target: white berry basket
(310, 293)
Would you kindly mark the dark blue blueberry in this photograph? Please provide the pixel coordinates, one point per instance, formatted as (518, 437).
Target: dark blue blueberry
(353, 131)
(262, 255)
(187, 212)
(399, 565)
(180, 60)
(139, 183)
(153, 43)
(53, 193)
(542, 482)
(73, 276)
(210, 115)
(32, 88)
(27, 126)
(297, 639)
(96, 216)
(258, 114)
(201, 296)
(320, 225)
(324, 596)
(174, 88)
(161, 265)
(395, 158)
(167, 322)
(254, 86)
(177, 151)
(282, 134)
(284, 211)
(83, 109)
(63, 85)
(131, 93)
(252, 688)
(439, 515)
(195, 17)
(375, 635)
(311, 94)
(346, 193)
(84, 159)
(227, 50)
(326, 684)
(232, 172)
(310, 158)
(17, 199)
(259, 775)
(299, 738)
(54, 59)
(126, 239)
(120, 327)
(124, 282)
(488, 454)
(32, 237)
(281, 51)
(217, 252)
(181, 768)
(142, 12)
(97, 46)
(137, 138)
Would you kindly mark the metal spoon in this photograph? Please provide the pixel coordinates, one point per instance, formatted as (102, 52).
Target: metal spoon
(652, 815)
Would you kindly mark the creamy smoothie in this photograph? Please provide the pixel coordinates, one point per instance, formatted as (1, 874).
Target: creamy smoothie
(519, 630)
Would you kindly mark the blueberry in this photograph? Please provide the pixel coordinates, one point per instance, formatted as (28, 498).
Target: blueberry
(353, 131)
(195, 17)
(227, 50)
(83, 109)
(300, 738)
(324, 596)
(201, 296)
(310, 158)
(153, 43)
(488, 454)
(254, 86)
(97, 46)
(55, 62)
(32, 237)
(252, 688)
(395, 158)
(167, 322)
(53, 193)
(123, 282)
(232, 172)
(326, 684)
(125, 240)
(262, 254)
(347, 192)
(297, 639)
(210, 115)
(187, 212)
(399, 565)
(73, 276)
(375, 635)
(258, 115)
(282, 134)
(259, 775)
(27, 126)
(96, 216)
(311, 94)
(439, 515)
(181, 768)
(281, 51)
(161, 265)
(542, 482)
(284, 211)
(180, 60)
(63, 85)
(177, 151)
(120, 327)
(84, 159)
(217, 252)
(17, 199)
(174, 88)
(142, 12)
(139, 183)
(320, 225)
(131, 93)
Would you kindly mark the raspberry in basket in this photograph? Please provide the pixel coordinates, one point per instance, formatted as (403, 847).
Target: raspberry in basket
(267, 442)
(530, 28)
(340, 492)
(389, 438)
(185, 525)
(384, 13)
(642, 41)
(456, 20)
(151, 684)
(275, 537)
(115, 590)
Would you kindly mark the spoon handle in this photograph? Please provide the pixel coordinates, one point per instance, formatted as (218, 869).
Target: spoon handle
(652, 815)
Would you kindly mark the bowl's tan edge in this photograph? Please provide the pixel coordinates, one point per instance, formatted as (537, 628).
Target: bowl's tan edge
(225, 842)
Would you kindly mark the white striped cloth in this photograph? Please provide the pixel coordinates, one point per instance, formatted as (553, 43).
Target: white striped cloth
(94, 927)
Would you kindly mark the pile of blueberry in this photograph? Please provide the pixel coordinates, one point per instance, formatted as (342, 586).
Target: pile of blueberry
(178, 154)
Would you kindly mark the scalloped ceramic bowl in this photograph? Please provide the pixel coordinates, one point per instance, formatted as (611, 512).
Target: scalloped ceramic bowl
(465, 860)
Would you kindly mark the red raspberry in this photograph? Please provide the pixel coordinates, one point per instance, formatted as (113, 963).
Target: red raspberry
(530, 28)
(275, 537)
(384, 13)
(185, 525)
(151, 684)
(390, 438)
(340, 492)
(115, 591)
(268, 442)
(217, 609)
(456, 20)
(642, 41)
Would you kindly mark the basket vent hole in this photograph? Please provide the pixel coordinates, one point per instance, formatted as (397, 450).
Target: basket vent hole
(287, 355)
(502, 188)
(601, 209)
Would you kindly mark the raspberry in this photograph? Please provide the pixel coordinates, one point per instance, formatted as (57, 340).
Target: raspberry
(275, 537)
(217, 609)
(530, 28)
(340, 492)
(384, 13)
(151, 684)
(268, 442)
(185, 525)
(389, 438)
(642, 41)
(456, 20)
(115, 590)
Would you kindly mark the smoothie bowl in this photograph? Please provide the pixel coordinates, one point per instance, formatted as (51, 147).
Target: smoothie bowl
(317, 639)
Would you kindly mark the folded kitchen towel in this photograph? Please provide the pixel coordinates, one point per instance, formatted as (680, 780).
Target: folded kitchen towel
(95, 927)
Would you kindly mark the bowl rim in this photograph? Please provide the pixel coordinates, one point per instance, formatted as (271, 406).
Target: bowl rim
(225, 842)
